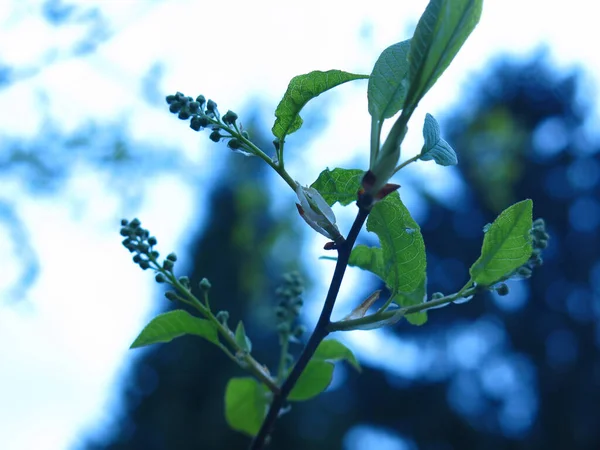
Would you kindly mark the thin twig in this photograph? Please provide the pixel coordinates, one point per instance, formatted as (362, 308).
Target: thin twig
(320, 332)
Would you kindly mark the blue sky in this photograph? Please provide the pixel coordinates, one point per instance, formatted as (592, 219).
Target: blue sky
(59, 365)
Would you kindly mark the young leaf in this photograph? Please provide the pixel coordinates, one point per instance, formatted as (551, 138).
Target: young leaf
(419, 295)
(339, 185)
(241, 339)
(440, 33)
(506, 244)
(435, 147)
(246, 404)
(400, 262)
(388, 83)
(333, 350)
(301, 89)
(368, 258)
(314, 380)
(403, 249)
(167, 326)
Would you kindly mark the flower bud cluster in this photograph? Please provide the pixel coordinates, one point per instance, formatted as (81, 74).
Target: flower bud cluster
(539, 242)
(139, 242)
(288, 308)
(204, 114)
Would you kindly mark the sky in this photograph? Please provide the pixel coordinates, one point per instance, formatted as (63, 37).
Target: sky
(64, 341)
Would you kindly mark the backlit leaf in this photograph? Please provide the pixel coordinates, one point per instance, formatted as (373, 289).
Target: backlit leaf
(246, 403)
(400, 262)
(388, 82)
(333, 350)
(170, 325)
(442, 30)
(339, 185)
(506, 244)
(314, 380)
(301, 89)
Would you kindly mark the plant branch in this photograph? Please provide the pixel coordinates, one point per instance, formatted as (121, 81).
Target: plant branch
(320, 332)
(241, 357)
(346, 325)
(407, 162)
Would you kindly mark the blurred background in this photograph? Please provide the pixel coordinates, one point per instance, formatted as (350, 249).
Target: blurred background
(86, 139)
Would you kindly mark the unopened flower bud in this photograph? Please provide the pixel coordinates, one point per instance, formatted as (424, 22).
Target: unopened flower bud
(230, 117)
(502, 289)
(317, 213)
(205, 284)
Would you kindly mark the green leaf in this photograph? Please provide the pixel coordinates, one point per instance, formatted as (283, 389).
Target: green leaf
(400, 262)
(506, 244)
(241, 338)
(314, 380)
(368, 258)
(301, 89)
(246, 403)
(339, 185)
(415, 297)
(388, 82)
(401, 243)
(333, 350)
(167, 326)
(435, 147)
(440, 33)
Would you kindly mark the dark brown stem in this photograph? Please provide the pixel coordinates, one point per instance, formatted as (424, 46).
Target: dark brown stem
(320, 332)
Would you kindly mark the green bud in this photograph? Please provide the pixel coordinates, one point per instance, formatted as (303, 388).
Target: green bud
(170, 99)
(196, 124)
(185, 281)
(144, 264)
(143, 247)
(215, 136)
(437, 296)
(175, 107)
(223, 317)
(539, 224)
(172, 257)
(135, 223)
(245, 134)
(184, 114)
(171, 295)
(194, 107)
(125, 231)
(502, 289)
(200, 99)
(137, 259)
(124, 222)
(160, 278)
(230, 117)
(205, 284)
(525, 272)
(152, 241)
(234, 144)
(211, 106)
(168, 265)
(537, 261)
(299, 331)
(154, 254)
